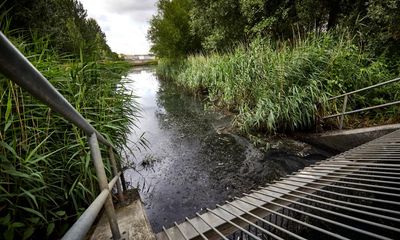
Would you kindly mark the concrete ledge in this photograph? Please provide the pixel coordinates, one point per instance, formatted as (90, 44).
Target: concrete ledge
(131, 219)
(343, 140)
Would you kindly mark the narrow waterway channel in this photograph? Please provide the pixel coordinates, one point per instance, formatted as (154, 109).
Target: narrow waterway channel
(192, 162)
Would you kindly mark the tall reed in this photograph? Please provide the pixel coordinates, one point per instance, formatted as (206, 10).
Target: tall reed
(278, 86)
(46, 173)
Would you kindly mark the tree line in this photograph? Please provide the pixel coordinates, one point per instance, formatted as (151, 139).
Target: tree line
(184, 27)
(64, 23)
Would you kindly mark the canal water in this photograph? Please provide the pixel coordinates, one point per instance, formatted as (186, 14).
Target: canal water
(193, 161)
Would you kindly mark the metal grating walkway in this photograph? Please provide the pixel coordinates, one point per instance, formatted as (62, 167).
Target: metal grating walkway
(354, 195)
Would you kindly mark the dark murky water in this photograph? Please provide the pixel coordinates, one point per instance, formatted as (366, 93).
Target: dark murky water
(189, 165)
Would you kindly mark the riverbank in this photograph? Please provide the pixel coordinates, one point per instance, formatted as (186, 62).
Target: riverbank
(193, 160)
(283, 87)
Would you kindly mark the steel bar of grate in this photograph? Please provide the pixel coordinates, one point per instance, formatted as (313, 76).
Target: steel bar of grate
(329, 175)
(341, 169)
(166, 233)
(368, 164)
(212, 227)
(351, 173)
(339, 186)
(355, 193)
(367, 159)
(355, 184)
(376, 150)
(323, 219)
(327, 211)
(340, 194)
(297, 221)
(250, 223)
(233, 224)
(197, 230)
(181, 231)
(299, 193)
(267, 222)
(357, 167)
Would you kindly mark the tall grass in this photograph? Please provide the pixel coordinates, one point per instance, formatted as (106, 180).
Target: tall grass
(278, 87)
(46, 173)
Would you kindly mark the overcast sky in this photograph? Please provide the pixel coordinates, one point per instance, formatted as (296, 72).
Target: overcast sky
(125, 22)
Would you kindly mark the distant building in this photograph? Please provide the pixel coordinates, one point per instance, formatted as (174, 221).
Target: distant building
(139, 57)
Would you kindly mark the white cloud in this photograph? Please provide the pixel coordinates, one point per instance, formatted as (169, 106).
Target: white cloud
(125, 22)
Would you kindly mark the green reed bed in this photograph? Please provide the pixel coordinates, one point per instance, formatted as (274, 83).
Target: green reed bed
(46, 173)
(279, 86)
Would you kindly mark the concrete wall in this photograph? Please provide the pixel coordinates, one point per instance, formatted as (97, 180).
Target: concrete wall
(343, 140)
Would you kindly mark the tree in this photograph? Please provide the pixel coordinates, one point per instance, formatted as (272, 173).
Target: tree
(63, 22)
(218, 23)
(170, 30)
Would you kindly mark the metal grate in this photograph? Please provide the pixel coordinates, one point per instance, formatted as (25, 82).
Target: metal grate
(354, 195)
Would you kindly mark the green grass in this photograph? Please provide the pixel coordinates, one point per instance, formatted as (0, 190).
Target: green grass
(46, 173)
(277, 87)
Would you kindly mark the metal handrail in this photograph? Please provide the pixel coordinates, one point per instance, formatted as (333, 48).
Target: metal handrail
(366, 88)
(15, 66)
(82, 226)
(346, 96)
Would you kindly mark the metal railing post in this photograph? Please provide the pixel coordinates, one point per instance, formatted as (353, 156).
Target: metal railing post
(103, 184)
(346, 96)
(343, 111)
(115, 173)
(122, 178)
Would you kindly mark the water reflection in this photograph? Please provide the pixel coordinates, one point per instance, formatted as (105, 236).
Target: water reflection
(190, 165)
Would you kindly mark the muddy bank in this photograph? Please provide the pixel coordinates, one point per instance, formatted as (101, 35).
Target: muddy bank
(193, 163)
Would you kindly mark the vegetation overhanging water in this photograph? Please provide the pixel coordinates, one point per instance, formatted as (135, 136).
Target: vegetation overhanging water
(194, 159)
(270, 63)
(46, 174)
